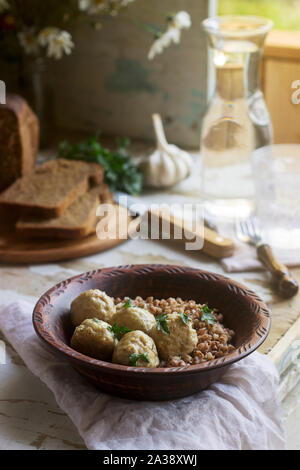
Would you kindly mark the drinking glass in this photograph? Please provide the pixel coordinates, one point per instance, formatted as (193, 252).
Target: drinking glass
(276, 172)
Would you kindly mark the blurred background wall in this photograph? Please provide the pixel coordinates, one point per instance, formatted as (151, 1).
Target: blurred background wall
(109, 84)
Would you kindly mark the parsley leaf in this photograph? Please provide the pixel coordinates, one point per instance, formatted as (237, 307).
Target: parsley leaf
(96, 320)
(162, 324)
(184, 317)
(206, 309)
(134, 358)
(119, 170)
(118, 331)
(207, 315)
(128, 303)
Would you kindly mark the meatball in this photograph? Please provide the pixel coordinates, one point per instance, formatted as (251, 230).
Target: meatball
(92, 303)
(136, 349)
(134, 318)
(180, 339)
(94, 338)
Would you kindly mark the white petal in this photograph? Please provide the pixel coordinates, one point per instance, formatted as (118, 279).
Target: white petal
(173, 34)
(182, 20)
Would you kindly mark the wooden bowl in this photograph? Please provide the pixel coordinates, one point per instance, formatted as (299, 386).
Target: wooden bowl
(243, 311)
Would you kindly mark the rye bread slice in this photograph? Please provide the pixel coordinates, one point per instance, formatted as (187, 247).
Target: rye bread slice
(51, 188)
(77, 221)
(19, 139)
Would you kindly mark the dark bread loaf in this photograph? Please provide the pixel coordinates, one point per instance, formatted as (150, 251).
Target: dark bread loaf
(77, 221)
(51, 188)
(19, 139)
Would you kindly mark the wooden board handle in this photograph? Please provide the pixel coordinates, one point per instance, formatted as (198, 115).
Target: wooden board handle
(213, 244)
(287, 285)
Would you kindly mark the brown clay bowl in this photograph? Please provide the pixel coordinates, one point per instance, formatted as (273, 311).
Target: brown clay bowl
(243, 311)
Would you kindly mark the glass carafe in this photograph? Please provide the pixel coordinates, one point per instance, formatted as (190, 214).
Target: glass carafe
(237, 121)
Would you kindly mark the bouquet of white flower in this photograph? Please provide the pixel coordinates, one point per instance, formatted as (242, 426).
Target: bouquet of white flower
(38, 27)
(176, 23)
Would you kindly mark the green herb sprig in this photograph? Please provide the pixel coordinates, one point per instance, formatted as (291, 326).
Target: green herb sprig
(128, 303)
(118, 331)
(119, 169)
(207, 315)
(134, 358)
(184, 317)
(162, 324)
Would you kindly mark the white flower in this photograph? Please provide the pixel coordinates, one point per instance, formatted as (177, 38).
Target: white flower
(29, 41)
(182, 20)
(45, 34)
(58, 43)
(4, 5)
(92, 7)
(124, 3)
(179, 21)
(172, 34)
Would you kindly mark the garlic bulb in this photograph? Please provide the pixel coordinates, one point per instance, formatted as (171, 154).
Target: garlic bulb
(168, 165)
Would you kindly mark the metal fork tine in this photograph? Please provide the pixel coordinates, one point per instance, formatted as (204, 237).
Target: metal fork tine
(250, 227)
(255, 226)
(239, 227)
(244, 227)
(247, 230)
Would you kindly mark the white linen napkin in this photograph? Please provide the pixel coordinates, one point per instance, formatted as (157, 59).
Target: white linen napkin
(241, 411)
(245, 258)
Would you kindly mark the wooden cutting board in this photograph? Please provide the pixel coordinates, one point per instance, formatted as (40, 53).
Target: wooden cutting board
(17, 249)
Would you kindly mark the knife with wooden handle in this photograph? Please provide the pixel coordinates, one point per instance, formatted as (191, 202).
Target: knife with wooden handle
(169, 226)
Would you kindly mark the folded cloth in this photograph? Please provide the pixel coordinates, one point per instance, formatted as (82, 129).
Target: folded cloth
(241, 411)
(245, 258)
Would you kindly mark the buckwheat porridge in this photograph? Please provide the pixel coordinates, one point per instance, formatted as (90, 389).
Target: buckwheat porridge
(148, 332)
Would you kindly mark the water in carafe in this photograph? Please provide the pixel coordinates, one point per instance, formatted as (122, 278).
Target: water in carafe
(236, 123)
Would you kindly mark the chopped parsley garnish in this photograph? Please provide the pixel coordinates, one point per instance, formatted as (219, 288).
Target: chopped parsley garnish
(118, 331)
(96, 320)
(184, 317)
(207, 315)
(134, 358)
(128, 303)
(162, 324)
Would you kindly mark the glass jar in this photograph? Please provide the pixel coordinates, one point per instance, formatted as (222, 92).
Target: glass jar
(36, 86)
(237, 121)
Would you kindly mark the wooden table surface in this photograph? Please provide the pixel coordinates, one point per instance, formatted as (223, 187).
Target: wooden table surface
(29, 415)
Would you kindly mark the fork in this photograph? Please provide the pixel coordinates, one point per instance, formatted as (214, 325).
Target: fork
(249, 232)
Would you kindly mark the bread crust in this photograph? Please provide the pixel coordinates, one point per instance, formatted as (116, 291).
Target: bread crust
(51, 188)
(19, 140)
(77, 221)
